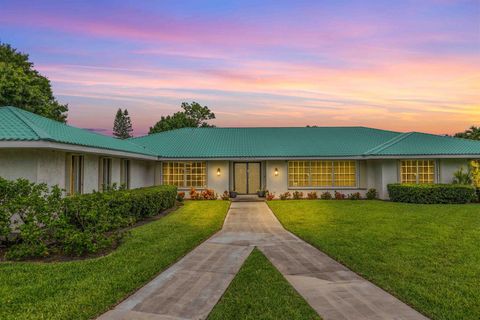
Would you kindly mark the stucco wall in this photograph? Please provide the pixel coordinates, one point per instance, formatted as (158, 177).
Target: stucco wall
(218, 183)
(448, 168)
(42, 166)
(142, 173)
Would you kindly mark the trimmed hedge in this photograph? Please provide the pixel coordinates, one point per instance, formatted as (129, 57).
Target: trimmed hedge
(36, 221)
(431, 193)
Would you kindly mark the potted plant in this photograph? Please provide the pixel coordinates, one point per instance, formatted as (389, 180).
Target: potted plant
(233, 194)
(261, 193)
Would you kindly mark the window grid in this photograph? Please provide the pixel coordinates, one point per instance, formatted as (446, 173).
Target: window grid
(322, 173)
(185, 174)
(417, 171)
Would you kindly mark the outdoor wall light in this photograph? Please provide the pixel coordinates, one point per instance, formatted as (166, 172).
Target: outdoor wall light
(276, 171)
(218, 171)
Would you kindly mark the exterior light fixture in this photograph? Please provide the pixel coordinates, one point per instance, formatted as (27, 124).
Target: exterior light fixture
(276, 171)
(218, 171)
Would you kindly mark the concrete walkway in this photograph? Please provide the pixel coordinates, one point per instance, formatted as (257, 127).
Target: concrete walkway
(191, 287)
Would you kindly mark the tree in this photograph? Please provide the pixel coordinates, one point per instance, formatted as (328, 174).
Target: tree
(192, 116)
(472, 133)
(122, 125)
(23, 87)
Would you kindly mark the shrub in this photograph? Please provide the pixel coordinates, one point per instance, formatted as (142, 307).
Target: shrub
(35, 221)
(226, 195)
(326, 196)
(339, 196)
(354, 196)
(180, 196)
(270, 196)
(312, 195)
(285, 196)
(463, 177)
(194, 195)
(431, 193)
(297, 195)
(208, 194)
(372, 194)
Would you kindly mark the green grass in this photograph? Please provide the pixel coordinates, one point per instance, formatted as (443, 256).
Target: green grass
(259, 291)
(83, 289)
(427, 255)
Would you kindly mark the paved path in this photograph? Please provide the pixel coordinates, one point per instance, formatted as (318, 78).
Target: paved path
(191, 287)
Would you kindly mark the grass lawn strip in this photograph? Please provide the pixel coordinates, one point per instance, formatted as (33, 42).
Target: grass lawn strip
(426, 255)
(259, 291)
(86, 288)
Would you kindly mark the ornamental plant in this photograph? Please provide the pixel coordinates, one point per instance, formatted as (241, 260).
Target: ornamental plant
(372, 194)
(339, 196)
(285, 196)
(297, 195)
(312, 195)
(326, 196)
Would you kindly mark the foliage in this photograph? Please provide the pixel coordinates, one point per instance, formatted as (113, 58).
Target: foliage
(462, 177)
(35, 221)
(86, 288)
(354, 196)
(270, 195)
(23, 87)
(209, 194)
(472, 133)
(326, 196)
(122, 126)
(194, 194)
(285, 196)
(426, 255)
(475, 171)
(312, 195)
(180, 196)
(339, 195)
(193, 115)
(431, 193)
(226, 195)
(297, 195)
(371, 194)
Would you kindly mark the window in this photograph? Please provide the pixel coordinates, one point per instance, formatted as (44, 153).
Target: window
(75, 174)
(185, 174)
(322, 174)
(105, 173)
(417, 171)
(125, 173)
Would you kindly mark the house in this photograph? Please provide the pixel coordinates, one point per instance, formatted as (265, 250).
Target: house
(345, 159)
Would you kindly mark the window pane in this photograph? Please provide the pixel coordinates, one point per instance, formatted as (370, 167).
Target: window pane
(345, 173)
(185, 174)
(321, 173)
(417, 171)
(298, 173)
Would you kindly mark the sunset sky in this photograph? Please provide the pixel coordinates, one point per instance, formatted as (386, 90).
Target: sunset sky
(398, 65)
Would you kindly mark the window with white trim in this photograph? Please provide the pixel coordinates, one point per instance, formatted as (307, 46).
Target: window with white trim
(125, 173)
(322, 174)
(105, 173)
(75, 174)
(417, 171)
(185, 174)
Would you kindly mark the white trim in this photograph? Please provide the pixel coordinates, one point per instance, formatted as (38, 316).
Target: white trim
(71, 148)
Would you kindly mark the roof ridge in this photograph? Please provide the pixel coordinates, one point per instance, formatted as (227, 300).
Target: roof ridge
(388, 143)
(39, 132)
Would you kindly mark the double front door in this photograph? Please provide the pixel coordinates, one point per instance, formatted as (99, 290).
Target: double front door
(247, 177)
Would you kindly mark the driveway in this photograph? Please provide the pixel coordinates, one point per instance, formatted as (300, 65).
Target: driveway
(190, 288)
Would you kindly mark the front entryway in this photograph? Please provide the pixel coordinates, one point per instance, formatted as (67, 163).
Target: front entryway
(247, 177)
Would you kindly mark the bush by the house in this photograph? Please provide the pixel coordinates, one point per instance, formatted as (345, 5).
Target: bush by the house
(285, 196)
(180, 196)
(372, 194)
(339, 196)
(209, 194)
(297, 195)
(270, 195)
(431, 193)
(354, 196)
(326, 196)
(312, 195)
(35, 221)
(226, 195)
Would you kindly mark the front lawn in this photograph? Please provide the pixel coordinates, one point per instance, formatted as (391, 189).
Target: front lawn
(427, 255)
(259, 291)
(84, 289)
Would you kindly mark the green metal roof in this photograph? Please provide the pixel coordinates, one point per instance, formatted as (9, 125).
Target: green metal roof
(265, 142)
(20, 125)
(197, 143)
